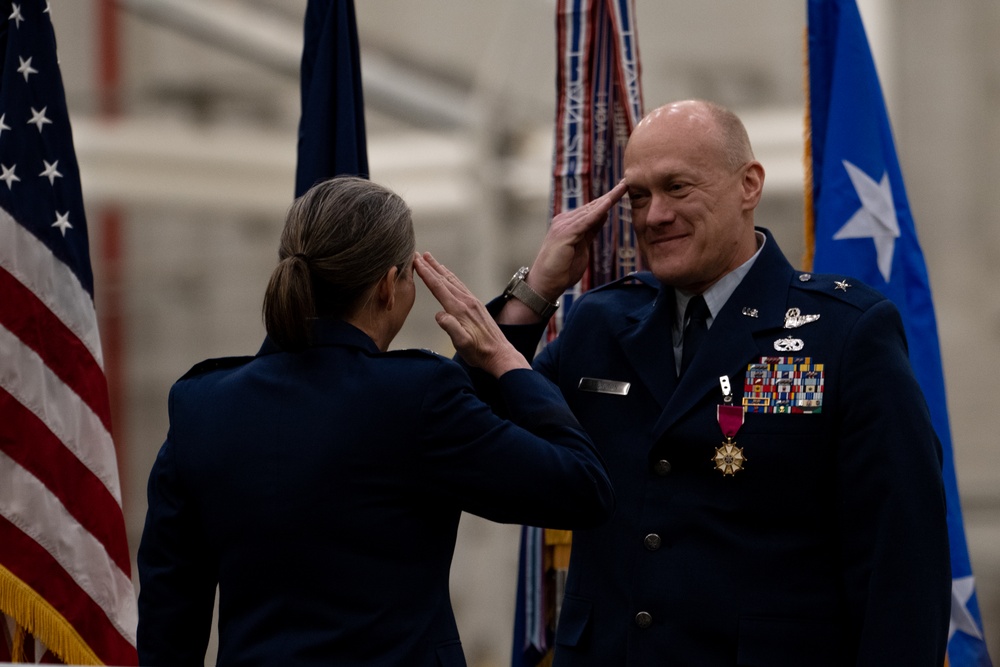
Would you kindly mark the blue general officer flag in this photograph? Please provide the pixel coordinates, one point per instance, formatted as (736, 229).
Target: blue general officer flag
(332, 127)
(864, 228)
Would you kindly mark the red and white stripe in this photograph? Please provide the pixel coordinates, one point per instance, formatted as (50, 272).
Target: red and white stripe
(61, 525)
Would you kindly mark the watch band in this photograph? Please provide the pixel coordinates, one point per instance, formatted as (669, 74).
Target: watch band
(518, 289)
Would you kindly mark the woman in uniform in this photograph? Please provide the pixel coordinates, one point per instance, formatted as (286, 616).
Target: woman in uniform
(319, 483)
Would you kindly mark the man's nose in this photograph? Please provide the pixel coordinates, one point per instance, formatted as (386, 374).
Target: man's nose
(661, 211)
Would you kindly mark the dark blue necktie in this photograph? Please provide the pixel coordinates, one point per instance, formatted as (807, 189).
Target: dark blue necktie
(697, 315)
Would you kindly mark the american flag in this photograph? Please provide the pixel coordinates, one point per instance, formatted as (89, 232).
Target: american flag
(65, 573)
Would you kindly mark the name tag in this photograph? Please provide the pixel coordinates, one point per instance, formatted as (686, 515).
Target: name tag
(604, 386)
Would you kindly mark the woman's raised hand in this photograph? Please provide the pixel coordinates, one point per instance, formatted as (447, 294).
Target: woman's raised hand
(474, 333)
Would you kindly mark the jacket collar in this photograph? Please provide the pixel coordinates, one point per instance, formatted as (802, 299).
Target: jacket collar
(328, 333)
(647, 344)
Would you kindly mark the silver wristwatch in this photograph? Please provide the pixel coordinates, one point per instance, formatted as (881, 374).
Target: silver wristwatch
(520, 290)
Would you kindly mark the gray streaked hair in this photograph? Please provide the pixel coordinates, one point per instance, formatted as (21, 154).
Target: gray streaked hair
(339, 239)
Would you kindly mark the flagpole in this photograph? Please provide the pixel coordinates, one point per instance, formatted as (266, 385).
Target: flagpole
(110, 309)
(809, 216)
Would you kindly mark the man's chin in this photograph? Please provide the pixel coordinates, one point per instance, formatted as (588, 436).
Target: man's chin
(668, 272)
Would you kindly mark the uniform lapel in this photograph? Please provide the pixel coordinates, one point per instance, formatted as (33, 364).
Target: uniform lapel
(646, 342)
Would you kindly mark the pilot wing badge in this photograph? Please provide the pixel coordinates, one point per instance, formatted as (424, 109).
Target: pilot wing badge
(794, 318)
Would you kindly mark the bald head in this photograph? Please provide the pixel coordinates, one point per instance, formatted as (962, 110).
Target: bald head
(711, 123)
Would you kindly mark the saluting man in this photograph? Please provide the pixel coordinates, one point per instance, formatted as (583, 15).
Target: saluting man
(778, 479)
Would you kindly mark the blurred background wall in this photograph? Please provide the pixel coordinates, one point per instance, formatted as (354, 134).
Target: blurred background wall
(185, 115)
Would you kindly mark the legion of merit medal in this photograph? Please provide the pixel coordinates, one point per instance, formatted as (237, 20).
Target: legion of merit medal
(728, 458)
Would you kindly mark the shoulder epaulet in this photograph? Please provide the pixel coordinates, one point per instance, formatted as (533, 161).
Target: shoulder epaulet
(636, 278)
(844, 288)
(220, 363)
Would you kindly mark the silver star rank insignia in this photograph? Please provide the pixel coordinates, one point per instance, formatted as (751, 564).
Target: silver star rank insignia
(841, 284)
(729, 458)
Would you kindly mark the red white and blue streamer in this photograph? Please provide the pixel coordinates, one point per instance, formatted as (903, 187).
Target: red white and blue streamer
(599, 103)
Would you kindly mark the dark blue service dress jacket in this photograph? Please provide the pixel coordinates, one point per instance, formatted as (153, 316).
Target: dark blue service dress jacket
(828, 547)
(321, 491)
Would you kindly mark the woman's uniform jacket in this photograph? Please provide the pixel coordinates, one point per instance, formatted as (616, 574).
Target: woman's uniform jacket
(321, 491)
(828, 547)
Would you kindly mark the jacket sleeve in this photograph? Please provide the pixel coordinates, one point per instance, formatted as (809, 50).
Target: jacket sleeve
(177, 580)
(538, 467)
(524, 337)
(893, 533)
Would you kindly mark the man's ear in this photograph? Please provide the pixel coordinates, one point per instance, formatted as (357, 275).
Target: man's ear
(753, 184)
(386, 289)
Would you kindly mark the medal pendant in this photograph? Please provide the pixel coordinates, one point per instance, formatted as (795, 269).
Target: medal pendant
(729, 458)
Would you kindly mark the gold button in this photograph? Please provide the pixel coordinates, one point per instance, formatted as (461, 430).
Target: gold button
(643, 619)
(662, 467)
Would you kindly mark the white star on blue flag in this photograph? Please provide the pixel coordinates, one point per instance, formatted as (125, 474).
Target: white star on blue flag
(876, 219)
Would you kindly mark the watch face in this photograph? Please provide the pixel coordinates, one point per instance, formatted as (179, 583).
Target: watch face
(518, 276)
(518, 289)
